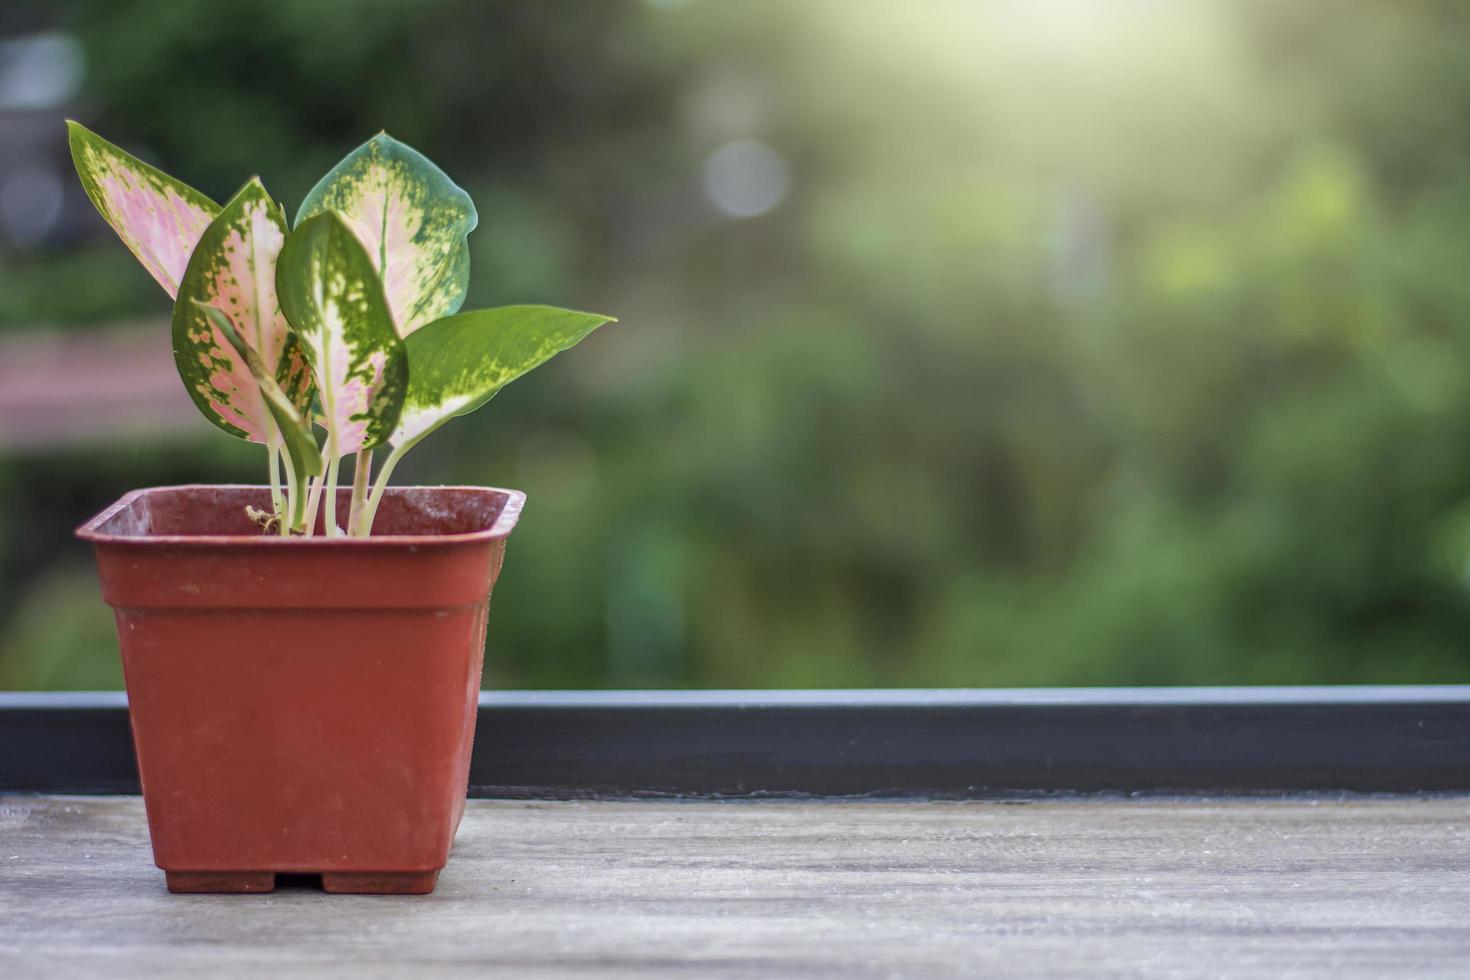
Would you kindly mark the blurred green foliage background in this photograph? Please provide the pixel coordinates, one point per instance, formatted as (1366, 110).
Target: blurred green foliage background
(1024, 343)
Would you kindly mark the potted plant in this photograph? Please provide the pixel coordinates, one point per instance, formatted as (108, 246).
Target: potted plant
(303, 658)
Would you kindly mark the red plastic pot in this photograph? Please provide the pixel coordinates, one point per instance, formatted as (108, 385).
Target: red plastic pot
(302, 705)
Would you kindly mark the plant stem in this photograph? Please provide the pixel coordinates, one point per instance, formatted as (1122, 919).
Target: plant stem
(314, 498)
(313, 501)
(331, 491)
(273, 451)
(370, 511)
(361, 468)
(293, 501)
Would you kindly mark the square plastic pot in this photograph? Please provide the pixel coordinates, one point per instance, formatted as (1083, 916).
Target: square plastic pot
(302, 705)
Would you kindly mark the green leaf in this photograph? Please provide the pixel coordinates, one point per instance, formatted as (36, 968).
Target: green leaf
(157, 217)
(233, 271)
(333, 298)
(458, 363)
(412, 220)
(300, 444)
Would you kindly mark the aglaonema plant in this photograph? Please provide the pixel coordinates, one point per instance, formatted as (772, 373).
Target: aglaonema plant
(333, 336)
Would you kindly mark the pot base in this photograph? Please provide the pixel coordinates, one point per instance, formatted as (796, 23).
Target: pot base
(387, 883)
(335, 882)
(208, 882)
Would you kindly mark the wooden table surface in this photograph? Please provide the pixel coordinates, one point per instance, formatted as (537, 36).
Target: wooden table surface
(1269, 888)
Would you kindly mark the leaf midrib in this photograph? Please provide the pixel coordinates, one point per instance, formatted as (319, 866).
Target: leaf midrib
(329, 403)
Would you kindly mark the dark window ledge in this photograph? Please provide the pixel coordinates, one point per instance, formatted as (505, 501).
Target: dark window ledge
(934, 744)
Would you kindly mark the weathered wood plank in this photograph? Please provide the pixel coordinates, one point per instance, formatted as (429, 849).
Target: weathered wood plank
(1236, 888)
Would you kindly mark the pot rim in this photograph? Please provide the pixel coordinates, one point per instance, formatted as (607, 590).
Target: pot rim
(91, 531)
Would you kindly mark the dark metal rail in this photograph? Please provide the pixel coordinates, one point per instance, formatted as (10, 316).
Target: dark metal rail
(947, 744)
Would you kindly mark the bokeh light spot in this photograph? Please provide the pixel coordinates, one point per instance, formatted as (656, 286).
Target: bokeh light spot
(746, 178)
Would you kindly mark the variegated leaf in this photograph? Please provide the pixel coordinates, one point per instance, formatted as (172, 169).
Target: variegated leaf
(411, 219)
(333, 298)
(157, 217)
(233, 270)
(295, 428)
(458, 363)
(302, 454)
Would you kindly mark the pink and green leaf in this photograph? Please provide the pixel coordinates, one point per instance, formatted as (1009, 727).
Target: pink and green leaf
(233, 272)
(333, 298)
(411, 219)
(460, 362)
(158, 217)
(302, 453)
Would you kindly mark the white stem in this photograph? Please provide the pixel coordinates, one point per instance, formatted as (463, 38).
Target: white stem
(292, 502)
(273, 451)
(370, 511)
(313, 503)
(361, 468)
(331, 491)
